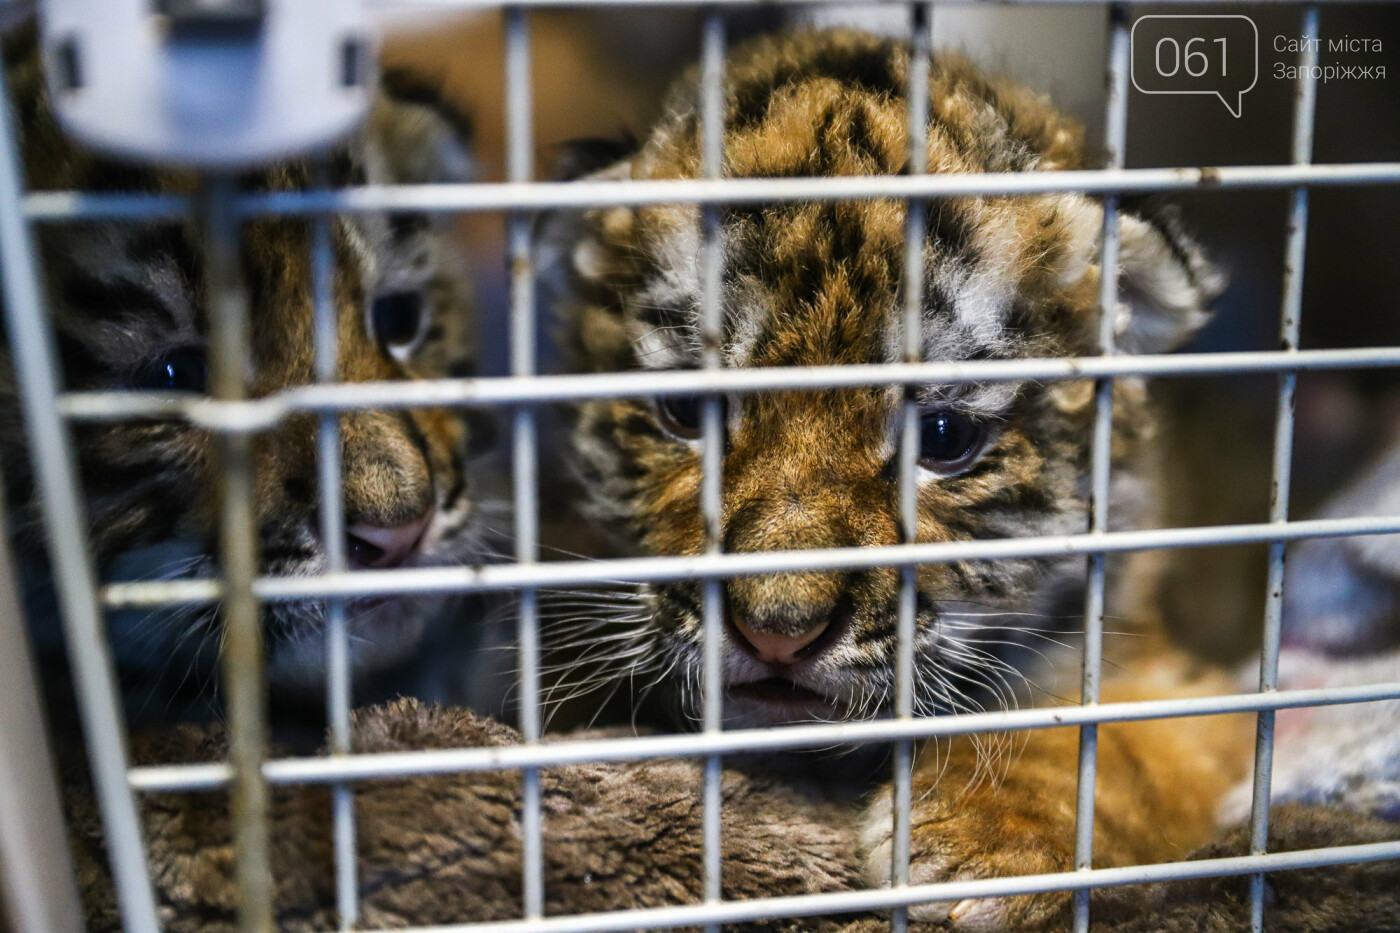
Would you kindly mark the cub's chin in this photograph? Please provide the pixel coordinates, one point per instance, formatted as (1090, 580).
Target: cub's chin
(383, 633)
(777, 701)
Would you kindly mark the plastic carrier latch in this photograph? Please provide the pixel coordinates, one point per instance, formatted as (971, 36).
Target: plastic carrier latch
(213, 84)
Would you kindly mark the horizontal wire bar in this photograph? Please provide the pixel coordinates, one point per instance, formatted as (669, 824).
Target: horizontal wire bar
(840, 902)
(55, 206)
(504, 577)
(388, 765)
(883, 899)
(265, 413)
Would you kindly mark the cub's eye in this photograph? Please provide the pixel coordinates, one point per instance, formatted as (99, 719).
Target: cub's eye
(680, 414)
(397, 320)
(949, 441)
(180, 370)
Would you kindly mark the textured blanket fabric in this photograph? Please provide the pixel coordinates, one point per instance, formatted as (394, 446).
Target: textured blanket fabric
(1347, 754)
(447, 849)
(1359, 898)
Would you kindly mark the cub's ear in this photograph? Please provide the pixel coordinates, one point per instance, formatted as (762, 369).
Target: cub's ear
(568, 254)
(415, 135)
(580, 158)
(1165, 283)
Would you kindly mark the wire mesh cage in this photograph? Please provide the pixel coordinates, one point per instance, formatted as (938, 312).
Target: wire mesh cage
(235, 418)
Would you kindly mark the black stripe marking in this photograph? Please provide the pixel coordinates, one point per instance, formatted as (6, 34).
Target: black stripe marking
(114, 298)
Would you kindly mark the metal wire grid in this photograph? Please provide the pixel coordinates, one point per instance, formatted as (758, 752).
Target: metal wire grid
(235, 420)
(902, 786)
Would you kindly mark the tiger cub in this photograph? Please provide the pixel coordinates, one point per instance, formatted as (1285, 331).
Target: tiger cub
(814, 284)
(129, 310)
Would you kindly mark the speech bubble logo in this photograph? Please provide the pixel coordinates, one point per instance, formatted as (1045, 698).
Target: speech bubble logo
(1197, 54)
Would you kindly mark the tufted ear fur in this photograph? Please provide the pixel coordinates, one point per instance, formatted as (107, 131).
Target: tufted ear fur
(580, 158)
(1166, 284)
(566, 247)
(415, 136)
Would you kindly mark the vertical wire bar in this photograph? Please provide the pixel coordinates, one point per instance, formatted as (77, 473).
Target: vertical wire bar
(1115, 136)
(524, 441)
(338, 686)
(245, 700)
(1305, 105)
(712, 51)
(37, 885)
(920, 50)
(56, 477)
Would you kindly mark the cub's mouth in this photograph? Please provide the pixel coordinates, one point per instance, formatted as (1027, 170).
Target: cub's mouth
(778, 691)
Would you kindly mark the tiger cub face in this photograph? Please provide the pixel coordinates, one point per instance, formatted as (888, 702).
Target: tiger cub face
(814, 284)
(129, 309)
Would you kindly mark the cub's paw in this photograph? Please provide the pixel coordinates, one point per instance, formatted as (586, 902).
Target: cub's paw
(979, 833)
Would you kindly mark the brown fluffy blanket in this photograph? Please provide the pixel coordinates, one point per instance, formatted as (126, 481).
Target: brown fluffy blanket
(447, 849)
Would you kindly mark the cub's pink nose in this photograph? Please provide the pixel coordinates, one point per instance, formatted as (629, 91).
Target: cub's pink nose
(772, 647)
(369, 547)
